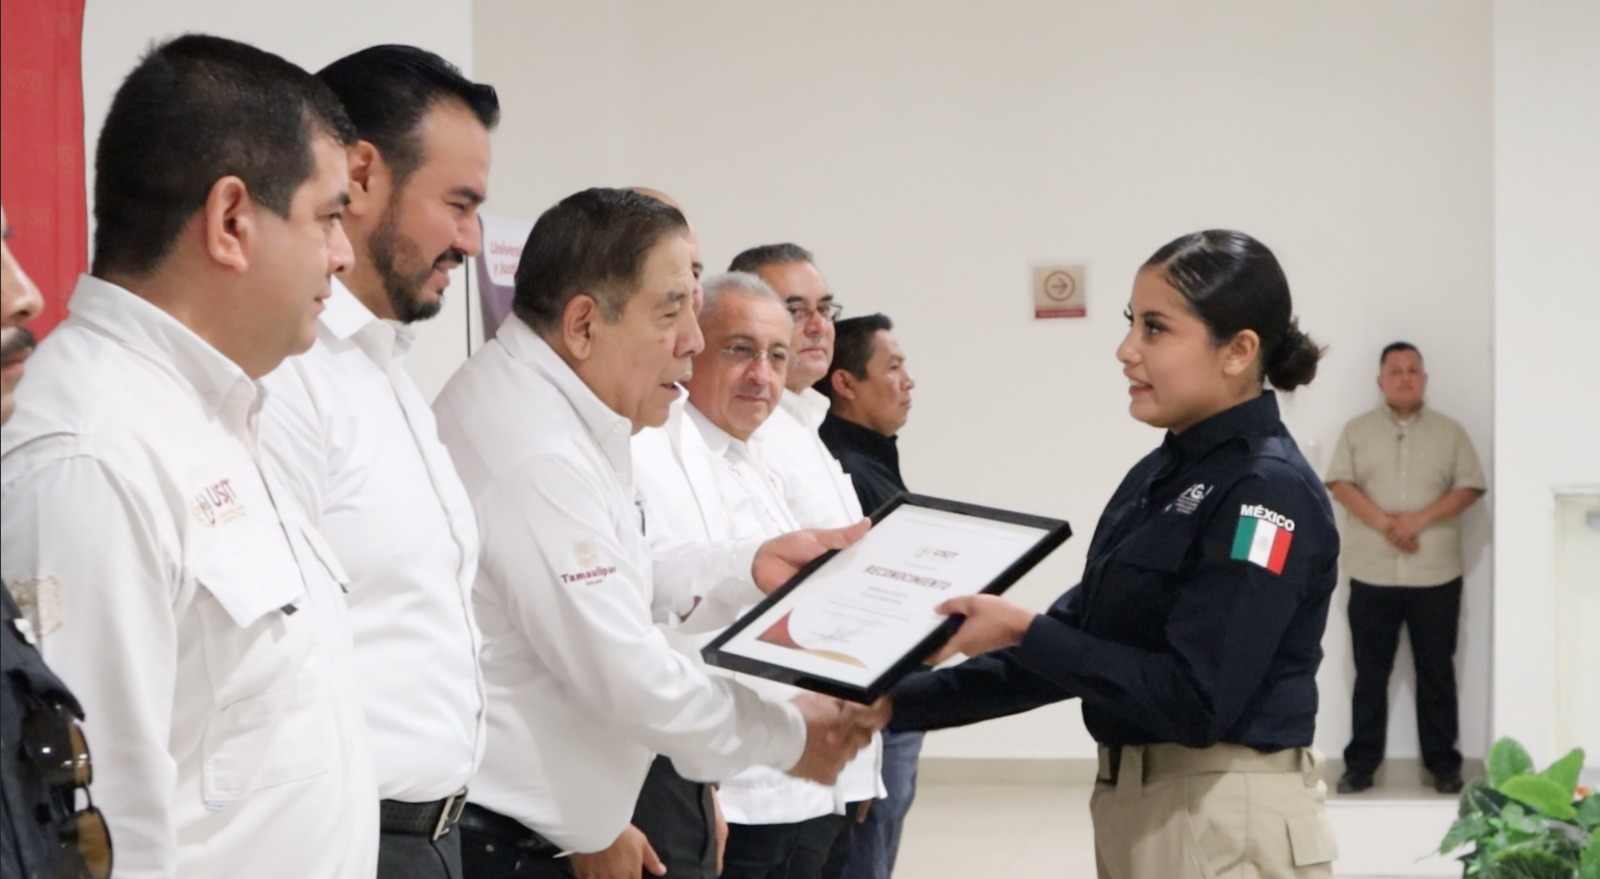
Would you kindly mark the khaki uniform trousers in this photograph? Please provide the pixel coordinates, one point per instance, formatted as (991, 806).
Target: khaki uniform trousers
(1223, 812)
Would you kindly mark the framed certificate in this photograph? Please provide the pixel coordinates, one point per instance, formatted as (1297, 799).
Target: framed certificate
(856, 620)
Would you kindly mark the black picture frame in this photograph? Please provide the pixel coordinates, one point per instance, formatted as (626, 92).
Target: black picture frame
(1056, 532)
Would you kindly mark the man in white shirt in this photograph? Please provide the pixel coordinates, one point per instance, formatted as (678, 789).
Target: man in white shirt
(357, 445)
(704, 476)
(815, 487)
(183, 596)
(582, 686)
(813, 483)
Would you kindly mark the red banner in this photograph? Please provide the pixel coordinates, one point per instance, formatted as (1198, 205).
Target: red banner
(41, 145)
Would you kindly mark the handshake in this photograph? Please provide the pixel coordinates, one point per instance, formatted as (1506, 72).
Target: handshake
(835, 731)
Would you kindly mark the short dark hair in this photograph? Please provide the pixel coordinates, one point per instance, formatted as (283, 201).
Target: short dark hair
(594, 242)
(755, 258)
(196, 109)
(387, 90)
(1234, 283)
(855, 340)
(1393, 347)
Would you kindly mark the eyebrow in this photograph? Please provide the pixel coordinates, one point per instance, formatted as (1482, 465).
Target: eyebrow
(469, 194)
(342, 200)
(674, 298)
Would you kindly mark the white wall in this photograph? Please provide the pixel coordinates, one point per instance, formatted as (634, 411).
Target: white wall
(310, 33)
(929, 151)
(1547, 409)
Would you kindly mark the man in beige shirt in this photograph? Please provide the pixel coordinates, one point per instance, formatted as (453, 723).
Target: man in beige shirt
(1404, 474)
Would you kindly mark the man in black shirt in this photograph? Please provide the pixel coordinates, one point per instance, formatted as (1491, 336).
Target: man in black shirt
(870, 394)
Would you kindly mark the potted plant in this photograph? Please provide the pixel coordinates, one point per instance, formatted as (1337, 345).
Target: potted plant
(1524, 824)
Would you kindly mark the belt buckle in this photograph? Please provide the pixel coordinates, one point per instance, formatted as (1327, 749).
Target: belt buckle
(450, 814)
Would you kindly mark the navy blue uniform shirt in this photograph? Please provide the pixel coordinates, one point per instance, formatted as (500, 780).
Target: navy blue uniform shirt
(30, 811)
(1200, 616)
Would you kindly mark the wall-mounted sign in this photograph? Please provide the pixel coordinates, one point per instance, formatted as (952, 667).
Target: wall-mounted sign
(503, 238)
(1059, 290)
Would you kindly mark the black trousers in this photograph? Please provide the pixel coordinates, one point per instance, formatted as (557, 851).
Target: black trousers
(677, 817)
(1432, 617)
(782, 851)
(413, 856)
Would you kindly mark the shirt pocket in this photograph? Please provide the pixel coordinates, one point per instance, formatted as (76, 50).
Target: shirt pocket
(271, 723)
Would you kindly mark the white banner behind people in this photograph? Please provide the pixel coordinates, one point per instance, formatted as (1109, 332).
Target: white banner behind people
(503, 238)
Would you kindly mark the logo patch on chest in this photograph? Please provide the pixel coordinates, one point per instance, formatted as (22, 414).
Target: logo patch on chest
(1190, 499)
(1263, 537)
(217, 504)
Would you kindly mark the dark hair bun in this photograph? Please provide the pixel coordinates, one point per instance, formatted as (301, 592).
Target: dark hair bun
(1294, 361)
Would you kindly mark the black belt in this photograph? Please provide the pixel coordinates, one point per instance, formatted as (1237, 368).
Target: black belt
(509, 831)
(432, 820)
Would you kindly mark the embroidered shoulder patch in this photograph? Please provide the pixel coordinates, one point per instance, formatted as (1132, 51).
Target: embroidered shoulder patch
(1263, 537)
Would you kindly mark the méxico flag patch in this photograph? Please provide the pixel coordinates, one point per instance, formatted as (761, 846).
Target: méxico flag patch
(1263, 537)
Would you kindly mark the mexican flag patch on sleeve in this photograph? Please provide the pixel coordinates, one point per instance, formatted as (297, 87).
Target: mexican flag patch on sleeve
(1263, 537)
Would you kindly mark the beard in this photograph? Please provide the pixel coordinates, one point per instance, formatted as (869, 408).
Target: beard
(391, 254)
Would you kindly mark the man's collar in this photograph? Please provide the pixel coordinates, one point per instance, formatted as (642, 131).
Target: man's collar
(809, 407)
(1394, 417)
(1252, 418)
(123, 315)
(345, 318)
(861, 436)
(610, 430)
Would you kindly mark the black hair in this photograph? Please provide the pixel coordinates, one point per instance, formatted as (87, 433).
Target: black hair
(1233, 283)
(593, 242)
(1393, 347)
(196, 109)
(388, 89)
(855, 340)
(755, 258)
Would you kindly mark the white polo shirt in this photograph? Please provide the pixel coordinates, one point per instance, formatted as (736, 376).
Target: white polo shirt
(583, 688)
(188, 603)
(357, 445)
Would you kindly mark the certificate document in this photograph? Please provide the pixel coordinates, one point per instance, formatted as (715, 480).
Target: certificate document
(854, 621)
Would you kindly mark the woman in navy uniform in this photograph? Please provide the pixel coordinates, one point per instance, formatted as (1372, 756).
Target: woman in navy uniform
(1195, 635)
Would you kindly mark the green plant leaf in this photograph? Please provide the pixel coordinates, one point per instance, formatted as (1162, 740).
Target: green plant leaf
(1474, 798)
(1541, 793)
(1507, 759)
(1589, 812)
(1465, 830)
(1566, 770)
(1589, 864)
(1531, 864)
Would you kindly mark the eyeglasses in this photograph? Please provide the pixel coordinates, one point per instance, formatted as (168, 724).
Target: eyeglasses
(54, 740)
(802, 312)
(778, 357)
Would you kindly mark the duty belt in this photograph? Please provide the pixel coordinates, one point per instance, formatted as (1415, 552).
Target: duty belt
(432, 820)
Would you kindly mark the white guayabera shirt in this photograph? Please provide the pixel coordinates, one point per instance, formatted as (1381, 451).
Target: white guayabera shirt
(705, 485)
(185, 599)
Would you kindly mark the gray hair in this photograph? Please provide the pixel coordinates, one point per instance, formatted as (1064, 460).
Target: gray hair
(735, 284)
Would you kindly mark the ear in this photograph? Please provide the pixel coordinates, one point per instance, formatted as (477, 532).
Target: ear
(230, 221)
(371, 181)
(1241, 353)
(578, 323)
(843, 384)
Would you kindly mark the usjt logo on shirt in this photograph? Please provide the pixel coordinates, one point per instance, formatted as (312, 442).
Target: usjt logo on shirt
(1263, 537)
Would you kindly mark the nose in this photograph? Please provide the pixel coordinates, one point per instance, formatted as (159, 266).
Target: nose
(469, 235)
(27, 302)
(340, 254)
(691, 341)
(911, 383)
(1126, 352)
